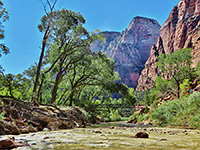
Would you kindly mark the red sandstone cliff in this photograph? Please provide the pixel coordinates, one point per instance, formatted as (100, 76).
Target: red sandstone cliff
(181, 30)
(131, 48)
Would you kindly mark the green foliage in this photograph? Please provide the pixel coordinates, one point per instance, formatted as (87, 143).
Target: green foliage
(183, 112)
(194, 100)
(98, 104)
(113, 113)
(139, 95)
(142, 117)
(1, 116)
(185, 86)
(3, 18)
(72, 65)
(16, 86)
(70, 72)
(198, 70)
(177, 67)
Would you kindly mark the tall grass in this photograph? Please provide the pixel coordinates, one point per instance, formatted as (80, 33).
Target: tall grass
(182, 112)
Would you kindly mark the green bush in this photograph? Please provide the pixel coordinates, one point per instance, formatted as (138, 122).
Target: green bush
(183, 112)
(1, 116)
(194, 100)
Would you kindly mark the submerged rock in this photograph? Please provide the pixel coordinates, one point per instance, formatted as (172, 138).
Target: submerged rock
(162, 140)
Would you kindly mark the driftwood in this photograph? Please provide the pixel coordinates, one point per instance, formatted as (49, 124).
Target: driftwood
(18, 113)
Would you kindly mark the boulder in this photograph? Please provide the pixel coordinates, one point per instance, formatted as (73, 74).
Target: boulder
(32, 129)
(9, 143)
(141, 135)
(54, 123)
(6, 143)
(24, 130)
(76, 116)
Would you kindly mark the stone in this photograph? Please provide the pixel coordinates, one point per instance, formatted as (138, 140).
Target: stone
(141, 135)
(32, 129)
(162, 140)
(76, 117)
(46, 129)
(97, 131)
(181, 30)
(24, 130)
(6, 142)
(16, 145)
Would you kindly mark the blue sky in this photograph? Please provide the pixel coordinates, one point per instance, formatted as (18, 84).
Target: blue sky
(24, 39)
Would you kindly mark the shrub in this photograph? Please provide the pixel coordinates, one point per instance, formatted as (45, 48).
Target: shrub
(183, 112)
(194, 100)
(1, 116)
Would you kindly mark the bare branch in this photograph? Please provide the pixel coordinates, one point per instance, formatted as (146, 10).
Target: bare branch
(45, 10)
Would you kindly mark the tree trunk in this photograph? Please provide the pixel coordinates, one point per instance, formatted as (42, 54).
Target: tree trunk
(45, 37)
(40, 64)
(178, 92)
(55, 88)
(70, 97)
(39, 91)
(178, 88)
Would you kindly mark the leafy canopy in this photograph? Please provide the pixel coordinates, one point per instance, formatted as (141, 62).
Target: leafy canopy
(3, 18)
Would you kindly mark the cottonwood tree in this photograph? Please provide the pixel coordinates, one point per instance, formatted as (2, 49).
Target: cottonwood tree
(95, 71)
(47, 32)
(68, 43)
(177, 67)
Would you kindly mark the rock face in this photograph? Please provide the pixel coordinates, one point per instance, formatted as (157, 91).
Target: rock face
(131, 48)
(181, 30)
(102, 46)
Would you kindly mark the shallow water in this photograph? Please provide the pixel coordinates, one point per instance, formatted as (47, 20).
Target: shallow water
(110, 138)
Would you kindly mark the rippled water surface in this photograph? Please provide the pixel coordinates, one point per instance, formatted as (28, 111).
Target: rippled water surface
(121, 138)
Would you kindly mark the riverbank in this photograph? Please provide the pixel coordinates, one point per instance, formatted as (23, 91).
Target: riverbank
(111, 136)
(21, 117)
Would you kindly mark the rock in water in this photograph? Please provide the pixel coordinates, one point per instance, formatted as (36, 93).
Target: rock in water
(6, 143)
(141, 135)
(181, 30)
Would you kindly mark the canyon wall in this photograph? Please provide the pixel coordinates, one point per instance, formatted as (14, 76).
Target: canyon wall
(181, 30)
(131, 48)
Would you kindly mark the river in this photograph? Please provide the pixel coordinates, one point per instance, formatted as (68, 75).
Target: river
(116, 136)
